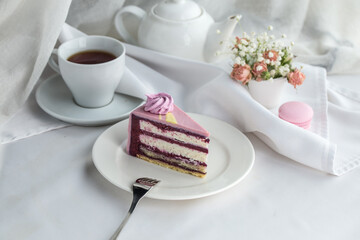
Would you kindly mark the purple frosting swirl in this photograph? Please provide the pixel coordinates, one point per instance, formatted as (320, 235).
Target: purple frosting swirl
(160, 103)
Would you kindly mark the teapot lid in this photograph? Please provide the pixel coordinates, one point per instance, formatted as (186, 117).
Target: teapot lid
(178, 10)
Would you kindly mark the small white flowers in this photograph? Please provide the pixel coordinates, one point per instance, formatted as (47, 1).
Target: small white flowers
(250, 50)
(270, 28)
(284, 70)
(259, 68)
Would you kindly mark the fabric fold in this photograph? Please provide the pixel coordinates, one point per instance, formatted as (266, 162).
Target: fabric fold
(25, 47)
(344, 116)
(208, 89)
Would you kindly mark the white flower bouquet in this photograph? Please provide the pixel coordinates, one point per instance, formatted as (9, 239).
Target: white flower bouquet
(263, 58)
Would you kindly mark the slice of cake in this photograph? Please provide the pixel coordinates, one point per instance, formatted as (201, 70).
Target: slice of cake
(161, 133)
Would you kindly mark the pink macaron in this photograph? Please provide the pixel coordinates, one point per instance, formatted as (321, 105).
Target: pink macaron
(297, 113)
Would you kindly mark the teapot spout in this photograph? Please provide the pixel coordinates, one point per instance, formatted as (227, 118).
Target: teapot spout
(218, 33)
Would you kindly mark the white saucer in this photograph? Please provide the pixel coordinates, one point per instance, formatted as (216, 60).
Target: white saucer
(231, 157)
(54, 97)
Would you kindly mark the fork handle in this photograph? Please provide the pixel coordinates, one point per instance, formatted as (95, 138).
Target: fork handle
(136, 199)
(118, 230)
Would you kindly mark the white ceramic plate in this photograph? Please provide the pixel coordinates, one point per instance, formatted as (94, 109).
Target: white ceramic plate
(54, 97)
(231, 157)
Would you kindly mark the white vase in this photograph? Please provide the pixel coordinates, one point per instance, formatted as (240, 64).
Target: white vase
(267, 92)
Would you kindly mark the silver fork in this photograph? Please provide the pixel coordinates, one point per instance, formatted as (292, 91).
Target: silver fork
(140, 188)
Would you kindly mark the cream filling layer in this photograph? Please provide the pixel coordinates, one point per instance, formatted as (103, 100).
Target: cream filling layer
(173, 148)
(147, 126)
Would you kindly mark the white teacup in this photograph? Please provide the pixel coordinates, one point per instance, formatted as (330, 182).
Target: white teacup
(92, 85)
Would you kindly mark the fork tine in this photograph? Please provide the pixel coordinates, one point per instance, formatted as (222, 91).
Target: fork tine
(147, 181)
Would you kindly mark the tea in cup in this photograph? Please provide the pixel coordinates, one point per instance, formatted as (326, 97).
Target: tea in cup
(92, 67)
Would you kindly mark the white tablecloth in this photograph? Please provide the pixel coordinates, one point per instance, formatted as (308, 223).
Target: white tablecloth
(50, 189)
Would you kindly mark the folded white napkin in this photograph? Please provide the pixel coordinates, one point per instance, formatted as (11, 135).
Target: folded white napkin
(344, 119)
(208, 89)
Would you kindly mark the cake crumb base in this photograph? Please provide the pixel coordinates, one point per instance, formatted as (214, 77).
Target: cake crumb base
(162, 164)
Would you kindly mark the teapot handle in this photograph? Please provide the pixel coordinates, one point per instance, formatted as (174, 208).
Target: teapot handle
(119, 24)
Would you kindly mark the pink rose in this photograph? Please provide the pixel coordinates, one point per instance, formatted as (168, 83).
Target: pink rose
(241, 73)
(258, 69)
(296, 78)
(272, 55)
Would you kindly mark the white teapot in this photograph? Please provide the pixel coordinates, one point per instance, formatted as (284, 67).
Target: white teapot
(178, 27)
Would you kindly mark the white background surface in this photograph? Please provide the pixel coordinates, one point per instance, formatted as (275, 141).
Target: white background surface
(51, 190)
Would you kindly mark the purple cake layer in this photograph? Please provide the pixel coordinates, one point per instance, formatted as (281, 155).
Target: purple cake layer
(174, 127)
(171, 163)
(188, 145)
(174, 156)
